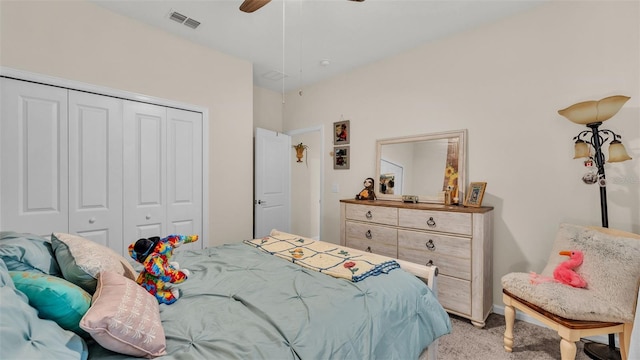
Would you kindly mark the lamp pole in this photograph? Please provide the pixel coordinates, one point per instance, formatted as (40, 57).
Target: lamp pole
(592, 114)
(596, 141)
(594, 350)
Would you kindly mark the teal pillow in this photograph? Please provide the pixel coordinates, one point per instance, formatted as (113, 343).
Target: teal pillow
(26, 336)
(55, 298)
(28, 252)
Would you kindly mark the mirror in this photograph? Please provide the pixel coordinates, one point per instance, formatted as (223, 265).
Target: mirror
(422, 165)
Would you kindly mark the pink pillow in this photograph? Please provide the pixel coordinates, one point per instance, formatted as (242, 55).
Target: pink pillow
(124, 317)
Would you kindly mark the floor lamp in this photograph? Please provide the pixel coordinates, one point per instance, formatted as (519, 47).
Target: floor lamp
(588, 144)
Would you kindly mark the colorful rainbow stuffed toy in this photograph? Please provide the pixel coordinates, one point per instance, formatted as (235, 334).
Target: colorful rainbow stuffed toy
(154, 255)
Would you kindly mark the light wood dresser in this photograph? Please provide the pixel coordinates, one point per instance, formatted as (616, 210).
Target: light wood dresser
(456, 239)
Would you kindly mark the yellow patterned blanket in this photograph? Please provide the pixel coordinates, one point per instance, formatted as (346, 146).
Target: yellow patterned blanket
(335, 260)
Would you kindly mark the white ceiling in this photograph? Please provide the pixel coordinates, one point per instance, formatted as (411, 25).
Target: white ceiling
(348, 34)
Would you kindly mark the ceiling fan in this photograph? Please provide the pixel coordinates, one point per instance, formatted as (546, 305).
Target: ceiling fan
(250, 6)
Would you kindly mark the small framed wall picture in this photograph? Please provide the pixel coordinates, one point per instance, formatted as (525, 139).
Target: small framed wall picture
(341, 157)
(475, 194)
(342, 132)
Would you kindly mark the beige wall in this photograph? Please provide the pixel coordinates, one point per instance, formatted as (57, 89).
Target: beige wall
(504, 83)
(267, 109)
(80, 41)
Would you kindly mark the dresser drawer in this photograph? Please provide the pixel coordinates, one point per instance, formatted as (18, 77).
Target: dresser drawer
(448, 265)
(433, 243)
(454, 294)
(374, 214)
(373, 238)
(451, 222)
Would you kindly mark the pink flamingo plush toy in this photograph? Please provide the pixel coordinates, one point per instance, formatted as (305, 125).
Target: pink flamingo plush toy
(564, 272)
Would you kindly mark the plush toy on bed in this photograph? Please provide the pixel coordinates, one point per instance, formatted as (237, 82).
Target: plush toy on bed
(367, 193)
(154, 254)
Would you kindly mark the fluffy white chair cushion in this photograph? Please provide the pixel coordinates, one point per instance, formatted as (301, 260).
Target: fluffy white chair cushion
(611, 267)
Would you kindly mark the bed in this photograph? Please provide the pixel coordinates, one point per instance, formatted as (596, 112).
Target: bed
(240, 301)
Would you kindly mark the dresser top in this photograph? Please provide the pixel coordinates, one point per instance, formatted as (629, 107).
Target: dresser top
(419, 206)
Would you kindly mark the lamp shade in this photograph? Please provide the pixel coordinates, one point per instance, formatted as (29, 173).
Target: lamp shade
(617, 152)
(588, 112)
(581, 150)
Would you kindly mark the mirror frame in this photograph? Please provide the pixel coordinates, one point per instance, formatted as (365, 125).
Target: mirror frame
(462, 164)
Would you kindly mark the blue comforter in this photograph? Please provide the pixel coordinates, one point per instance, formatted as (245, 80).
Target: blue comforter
(241, 303)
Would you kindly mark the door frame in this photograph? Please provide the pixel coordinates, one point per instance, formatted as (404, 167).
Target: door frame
(319, 128)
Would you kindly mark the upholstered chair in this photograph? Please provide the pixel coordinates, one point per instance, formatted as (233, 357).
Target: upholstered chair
(611, 268)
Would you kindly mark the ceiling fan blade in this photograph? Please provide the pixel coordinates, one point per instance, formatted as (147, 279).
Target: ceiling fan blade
(250, 6)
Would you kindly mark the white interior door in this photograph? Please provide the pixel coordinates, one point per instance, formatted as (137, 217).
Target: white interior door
(272, 204)
(184, 174)
(95, 168)
(33, 153)
(145, 154)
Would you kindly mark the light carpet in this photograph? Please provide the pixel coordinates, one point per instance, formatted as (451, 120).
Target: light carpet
(531, 342)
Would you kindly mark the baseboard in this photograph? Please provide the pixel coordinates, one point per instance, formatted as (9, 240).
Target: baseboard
(499, 309)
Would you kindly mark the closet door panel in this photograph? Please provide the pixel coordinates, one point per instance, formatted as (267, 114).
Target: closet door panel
(184, 174)
(144, 171)
(33, 136)
(95, 168)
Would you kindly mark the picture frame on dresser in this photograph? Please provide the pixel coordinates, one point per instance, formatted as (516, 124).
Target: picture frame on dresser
(475, 194)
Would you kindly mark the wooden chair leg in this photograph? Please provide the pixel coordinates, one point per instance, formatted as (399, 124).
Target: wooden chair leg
(509, 319)
(625, 340)
(568, 349)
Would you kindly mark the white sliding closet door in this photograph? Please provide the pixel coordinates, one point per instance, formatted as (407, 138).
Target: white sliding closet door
(184, 173)
(34, 176)
(95, 168)
(145, 180)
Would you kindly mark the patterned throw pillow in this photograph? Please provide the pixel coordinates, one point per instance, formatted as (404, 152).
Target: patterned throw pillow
(125, 318)
(81, 260)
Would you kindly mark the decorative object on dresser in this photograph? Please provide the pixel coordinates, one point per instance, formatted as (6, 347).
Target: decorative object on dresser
(588, 144)
(475, 194)
(458, 240)
(426, 166)
(367, 193)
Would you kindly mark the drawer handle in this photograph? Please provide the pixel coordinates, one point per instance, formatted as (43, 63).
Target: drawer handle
(368, 234)
(368, 215)
(430, 245)
(368, 249)
(92, 220)
(431, 222)
(429, 263)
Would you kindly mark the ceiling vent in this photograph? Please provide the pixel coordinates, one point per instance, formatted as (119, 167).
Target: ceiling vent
(184, 20)
(274, 75)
